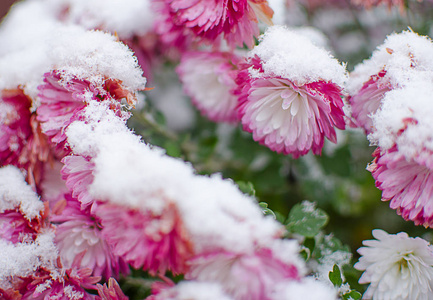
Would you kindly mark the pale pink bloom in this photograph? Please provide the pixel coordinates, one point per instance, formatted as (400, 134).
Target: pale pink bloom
(407, 183)
(110, 292)
(155, 243)
(79, 233)
(368, 100)
(209, 78)
(286, 117)
(63, 100)
(208, 21)
(22, 143)
(242, 276)
(77, 173)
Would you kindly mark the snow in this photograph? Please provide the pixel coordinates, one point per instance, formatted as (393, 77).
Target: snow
(90, 55)
(192, 290)
(124, 17)
(404, 119)
(15, 193)
(402, 55)
(287, 54)
(307, 289)
(129, 172)
(22, 259)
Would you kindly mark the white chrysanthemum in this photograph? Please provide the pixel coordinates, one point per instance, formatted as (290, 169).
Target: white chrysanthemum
(397, 267)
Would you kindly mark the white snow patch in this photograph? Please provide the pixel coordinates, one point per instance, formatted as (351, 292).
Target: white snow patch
(15, 193)
(285, 53)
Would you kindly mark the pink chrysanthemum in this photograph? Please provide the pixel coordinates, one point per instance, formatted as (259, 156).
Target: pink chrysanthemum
(368, 100)
(22, 143)
(243, 276)
(63, 99)
(208, 21)
(70, 284)
(286, 117)
(209, 78)
(407, 183)
(78, 232)
(77, 173)
(14, 227)
(156, 243)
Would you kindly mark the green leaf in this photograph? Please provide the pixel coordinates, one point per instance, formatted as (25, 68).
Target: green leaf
(352, 295)
(335, 276)
(307, 220)
(248, 188)
(266, 210)
(172, 149)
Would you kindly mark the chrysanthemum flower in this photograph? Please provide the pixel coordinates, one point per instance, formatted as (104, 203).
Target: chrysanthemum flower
(77, 173)
(292, 119)
(21, 142)
(208, 21)
(209, 78)
(244, 276)
(67, 284)
(368, 100)
(63, 99)
(14, 227)
(289, 104)
(78, 232)
(396, 266)
(403, 58)
(156, 243)
(406, 183)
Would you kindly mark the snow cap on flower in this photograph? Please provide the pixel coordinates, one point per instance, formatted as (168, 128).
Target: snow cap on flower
(400, 56)
(403, 59)
(396, 266)
(124, 17)
(192, 290)
(120, 159)
(287, 54)
(307, 288)
(23, 259)
(290, 103)
(86, 55)
(15, 193)
(209, 79)
(404, 120)
(404, 160)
